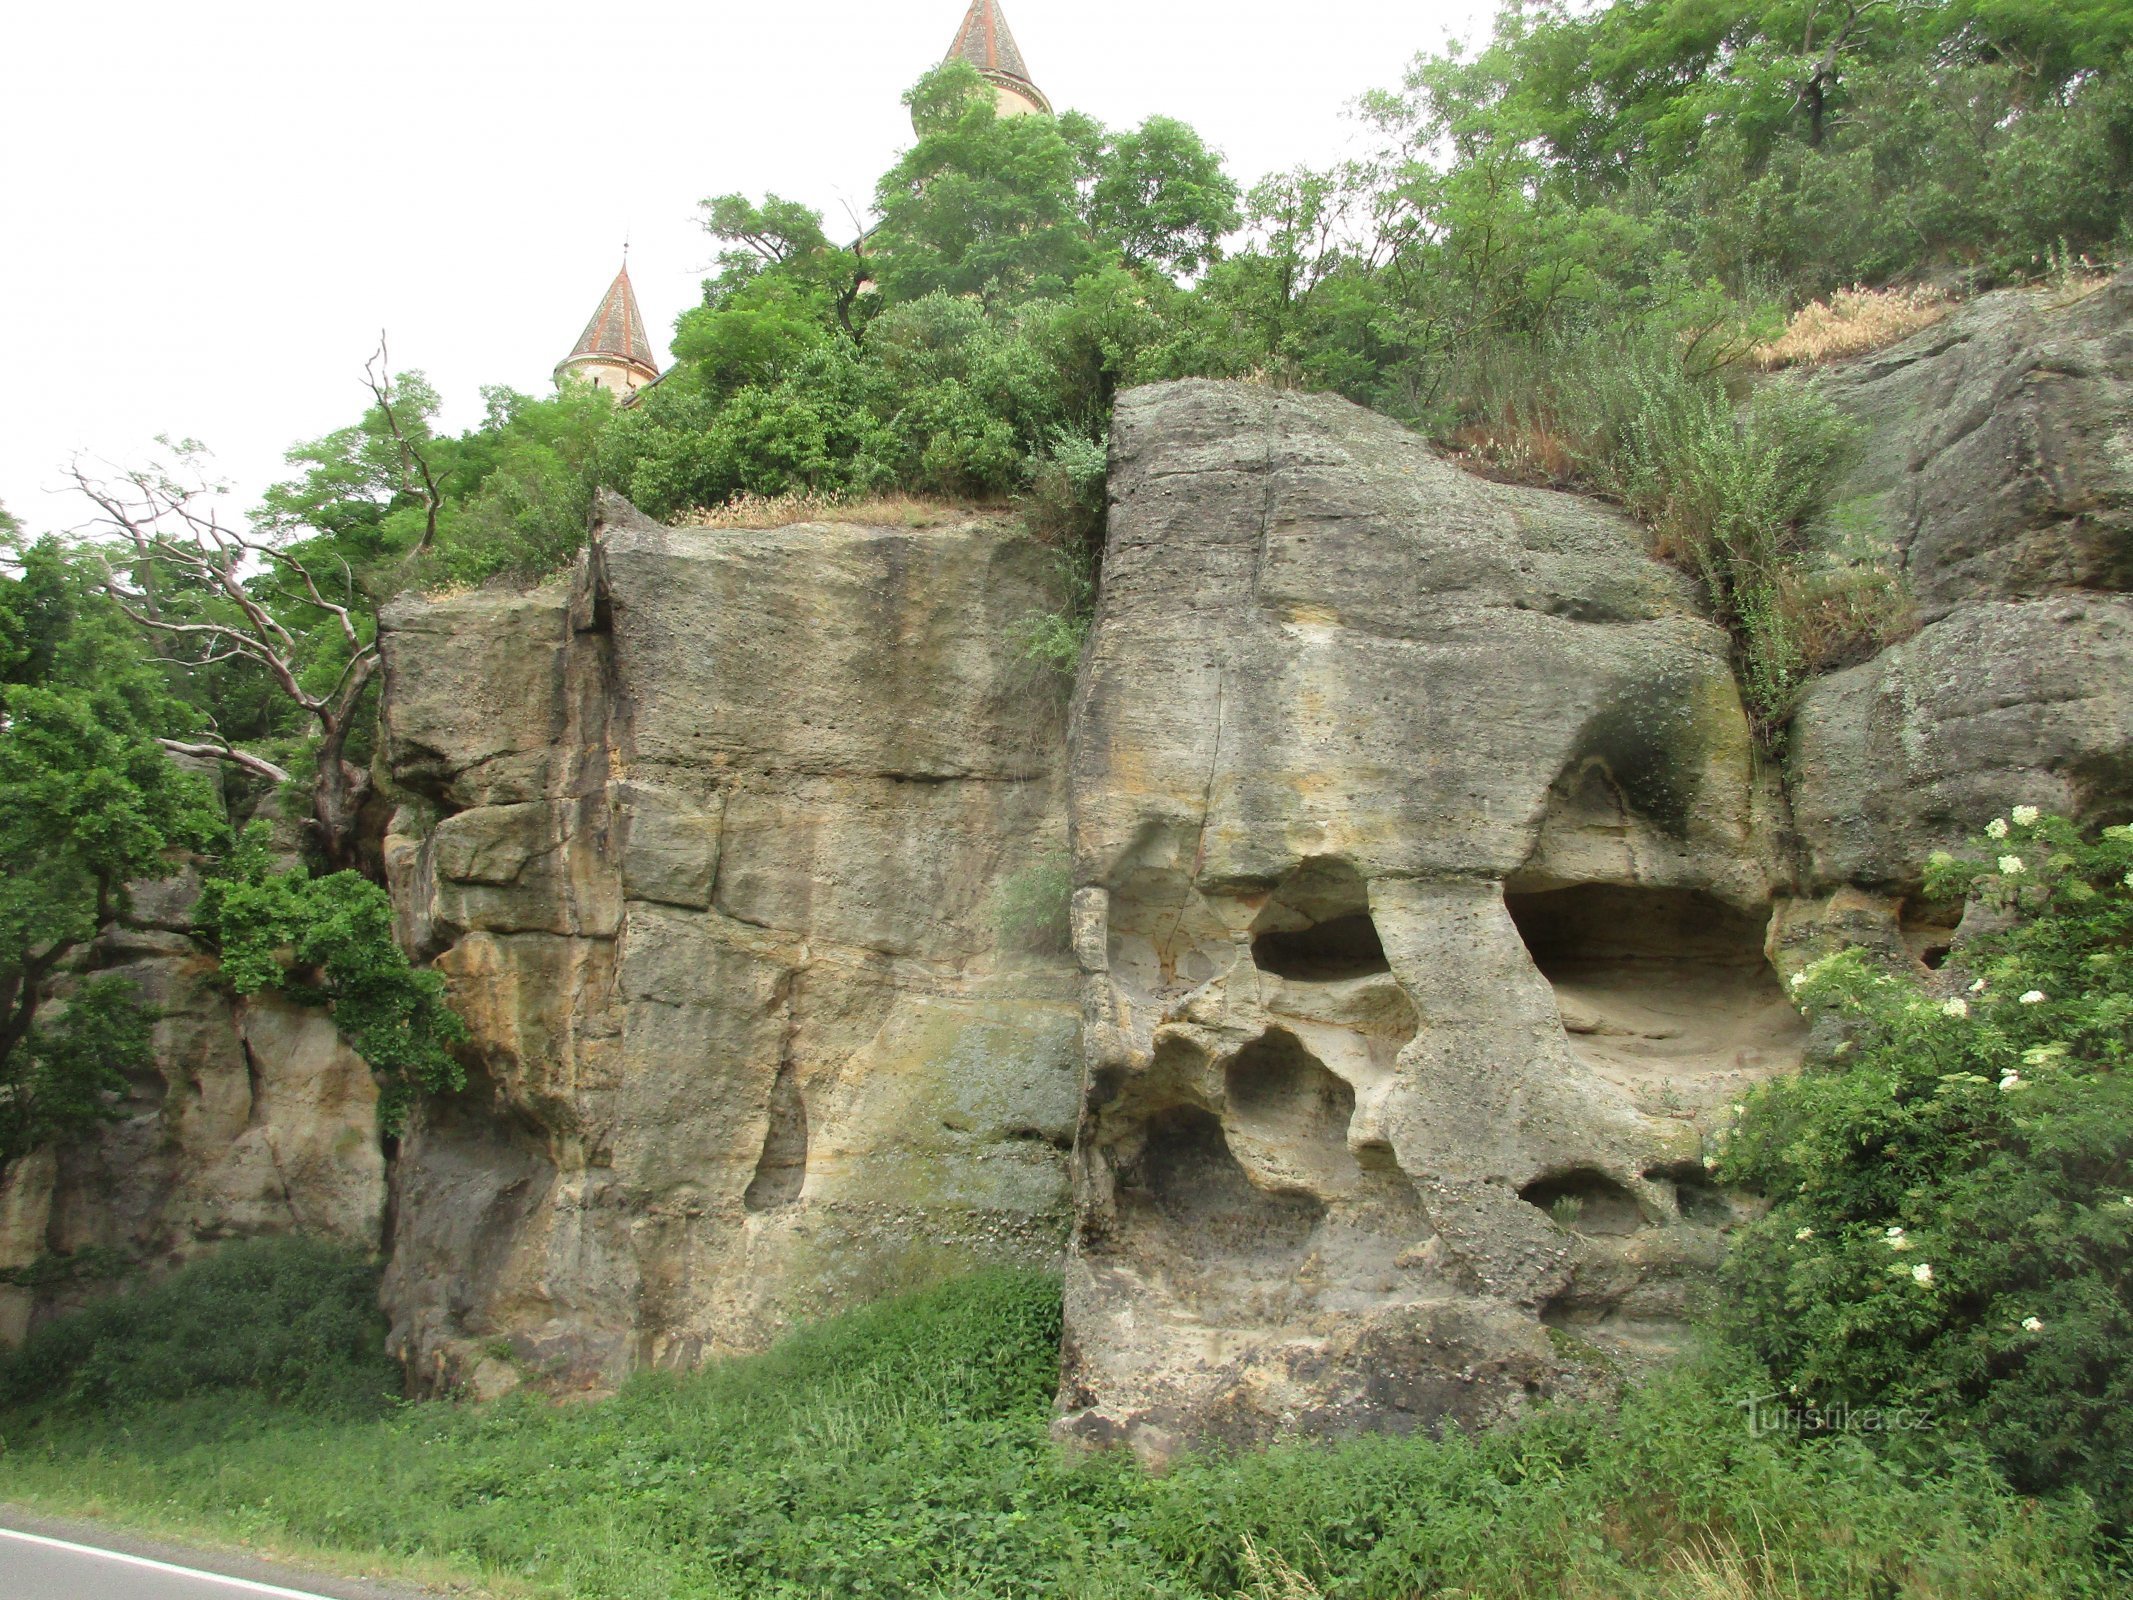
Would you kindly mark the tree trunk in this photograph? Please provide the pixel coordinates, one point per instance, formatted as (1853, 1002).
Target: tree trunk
(337, 803)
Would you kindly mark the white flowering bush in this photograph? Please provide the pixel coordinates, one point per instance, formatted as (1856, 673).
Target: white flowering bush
(1951, 1227)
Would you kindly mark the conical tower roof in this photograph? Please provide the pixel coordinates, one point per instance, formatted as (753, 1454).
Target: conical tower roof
(616, 332)
(984, 42)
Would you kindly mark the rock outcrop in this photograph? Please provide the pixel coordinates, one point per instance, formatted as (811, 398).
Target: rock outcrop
(1998, 476)
(256, 1119)
(1424, 880)
(710, 843)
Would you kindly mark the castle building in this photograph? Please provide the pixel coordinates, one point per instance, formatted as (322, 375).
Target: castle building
(985, 43)
(614, 352)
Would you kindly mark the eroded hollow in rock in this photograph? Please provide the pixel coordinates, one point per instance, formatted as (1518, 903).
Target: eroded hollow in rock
(1224, 1247)
(1586, 1200)
(1316, 927)
(781, 1170)
(1665, 992)
(1293, 1111)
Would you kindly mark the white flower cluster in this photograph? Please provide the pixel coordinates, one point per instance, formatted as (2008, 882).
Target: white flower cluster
(1957, 1007)
(2011, 867)
(2025, 816)
(2034, 997)
(1804, 1235)
(1922, 1274)
(1996, 828)
(2011, 1080)
(2032, 1324)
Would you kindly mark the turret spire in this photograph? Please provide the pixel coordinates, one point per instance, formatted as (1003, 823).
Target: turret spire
(984, 42)
(614, 352)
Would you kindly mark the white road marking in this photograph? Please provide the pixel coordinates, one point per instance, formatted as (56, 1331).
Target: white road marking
(242, 1585)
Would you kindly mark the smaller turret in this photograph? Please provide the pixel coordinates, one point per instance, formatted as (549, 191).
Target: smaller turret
(985, 43)
(614, 351)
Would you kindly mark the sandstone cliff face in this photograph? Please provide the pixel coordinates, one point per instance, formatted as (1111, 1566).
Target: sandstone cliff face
(708, 843)
(1425, 884)
(256, 1119)
(1432, 902)
(1998, 470)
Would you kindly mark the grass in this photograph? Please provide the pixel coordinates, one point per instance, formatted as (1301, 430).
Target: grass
(903, 1450)
(872, 511)
(1852, 322)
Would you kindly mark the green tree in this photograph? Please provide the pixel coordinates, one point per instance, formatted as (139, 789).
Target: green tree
(982, 204)
(89, 801)
(330, 941)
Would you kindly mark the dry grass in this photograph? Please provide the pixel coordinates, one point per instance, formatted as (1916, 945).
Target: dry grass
(1841, 617)
(1715, 1567)
(1851, 322)
(1514, 449)
(877, 511)
(2074, 281)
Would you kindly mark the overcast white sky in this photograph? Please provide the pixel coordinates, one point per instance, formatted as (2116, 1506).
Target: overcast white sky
(208, 210)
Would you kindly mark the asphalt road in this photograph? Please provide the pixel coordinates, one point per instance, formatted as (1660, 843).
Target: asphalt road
(71, 1561)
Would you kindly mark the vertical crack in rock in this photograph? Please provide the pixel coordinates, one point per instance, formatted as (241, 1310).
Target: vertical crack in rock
(781, 1171)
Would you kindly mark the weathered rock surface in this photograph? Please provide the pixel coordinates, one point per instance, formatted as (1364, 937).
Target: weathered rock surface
(1998, 460)
(256, 1119)
(1999, 468)
(708, 844)
(1424, 886)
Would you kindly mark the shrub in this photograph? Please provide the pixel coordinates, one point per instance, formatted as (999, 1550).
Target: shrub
(1030, 908)
(294, 1321)
(1954, 1226)
(330, 941)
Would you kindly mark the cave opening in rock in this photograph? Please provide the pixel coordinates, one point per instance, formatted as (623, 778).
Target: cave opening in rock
(1316, 928)
(781, 1170)
(1665, 992)
(1585, 1200)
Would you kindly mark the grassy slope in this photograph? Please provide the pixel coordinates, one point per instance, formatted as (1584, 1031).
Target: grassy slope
(902, 1451)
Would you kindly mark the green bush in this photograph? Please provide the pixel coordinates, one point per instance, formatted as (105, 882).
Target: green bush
(292, 1321)
(330, 941)
(1954, 1217)
(1030, 908)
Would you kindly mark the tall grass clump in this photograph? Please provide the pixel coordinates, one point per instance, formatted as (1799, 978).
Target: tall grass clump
(292, 1321)
(1729, 487)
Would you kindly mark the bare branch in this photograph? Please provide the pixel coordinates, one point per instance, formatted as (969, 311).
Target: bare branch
(377, 377)
(260, 766)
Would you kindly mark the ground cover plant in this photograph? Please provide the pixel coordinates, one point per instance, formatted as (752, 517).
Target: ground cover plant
(902, 1450)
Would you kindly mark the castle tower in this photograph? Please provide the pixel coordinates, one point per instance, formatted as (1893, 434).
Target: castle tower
(985, 43)
(614, 352)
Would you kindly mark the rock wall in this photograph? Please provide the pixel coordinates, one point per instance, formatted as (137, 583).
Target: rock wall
(1432, 902)
(1431, 908)
(1424, 874)
(710, 844)
(1998, 476)
(255, 1119)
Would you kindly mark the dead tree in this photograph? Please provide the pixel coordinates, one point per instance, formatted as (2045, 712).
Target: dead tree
(204, 587)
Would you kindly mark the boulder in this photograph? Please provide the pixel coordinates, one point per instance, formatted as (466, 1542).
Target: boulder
(1998, 448)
